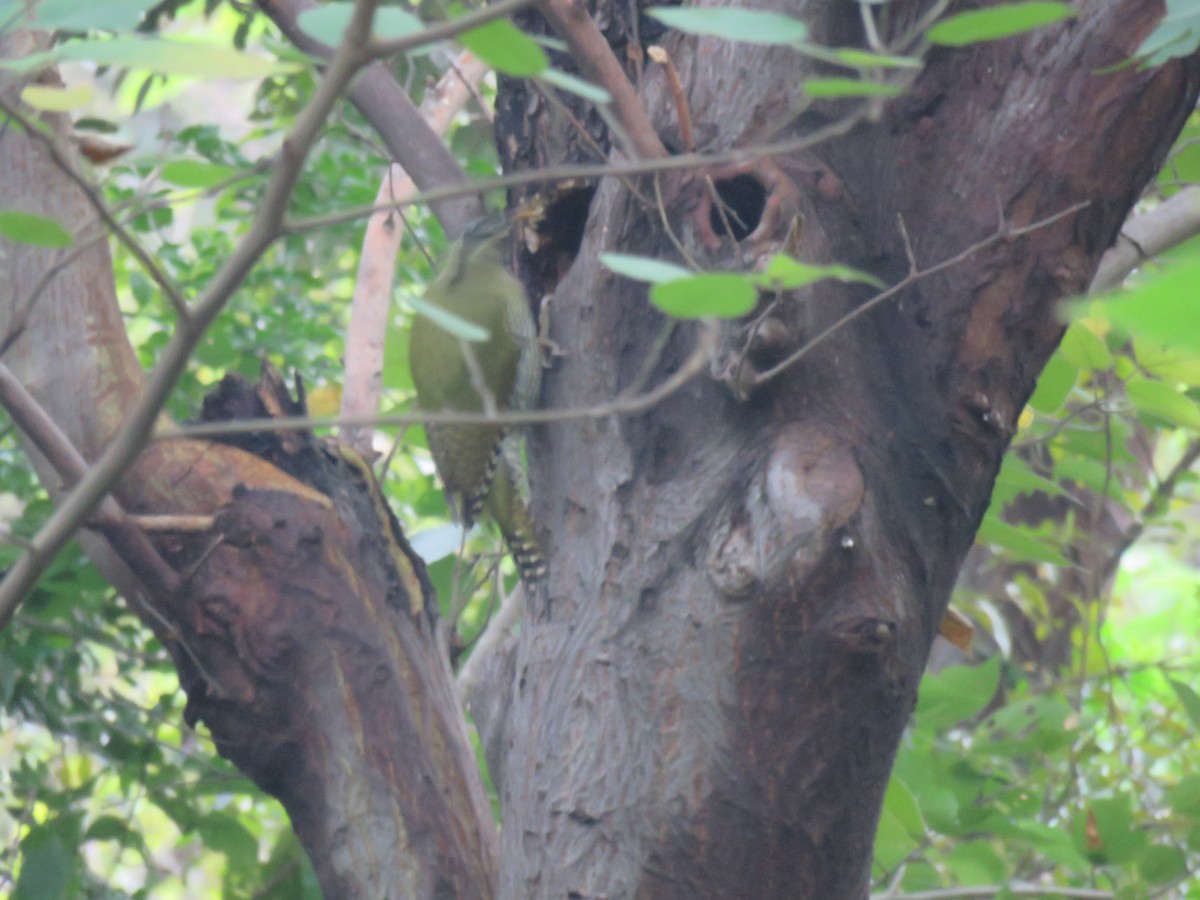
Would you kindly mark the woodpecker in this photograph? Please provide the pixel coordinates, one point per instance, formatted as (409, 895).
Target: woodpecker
(477, 465)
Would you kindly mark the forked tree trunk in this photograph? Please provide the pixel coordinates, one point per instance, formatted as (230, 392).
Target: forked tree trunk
(743, 592)
(744, 582)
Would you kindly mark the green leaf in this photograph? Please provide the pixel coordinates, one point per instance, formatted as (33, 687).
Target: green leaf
(72, 15)
(27, 228)
(863, 59)
(225, 834)
(976, 862)
(1162, 865)
(461, 328)
(753, 26)
(893, 843)
(167, 57)
(955, 694)
(850, 87)
(644, 268)
(194, 173)
(1167, 363)
(328, 23)
(578, 86)
(1162, 308)
(1114, 839)
(1189, 700)
(901, 802)
(723, 295)
(1016, 477)
(108, 828)
(997, 22)
(1084, 348)
(785, 274)
(48, 862)
(1178, 34)
(506, 49)
(1054, 384)
(1162, 401)
(1022, 543)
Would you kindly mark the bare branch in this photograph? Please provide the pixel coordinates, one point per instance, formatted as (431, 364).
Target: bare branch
(497, 629)
(127, 540)
(573, 24)
(1001, 234)
(1144, 237)
(363, 383)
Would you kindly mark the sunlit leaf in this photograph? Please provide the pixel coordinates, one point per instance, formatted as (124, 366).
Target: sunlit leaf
(193, 173)
(863, 59)
(1162, 308)
(57, 99)
(1081, 346)
(785, 274)
(27, 228)
(1161, 400)
(849, 87)
(733, 23)
(723, 295)
(1054, 384)
(997, 22)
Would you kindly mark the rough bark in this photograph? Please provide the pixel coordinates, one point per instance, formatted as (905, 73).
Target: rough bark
(742, 595)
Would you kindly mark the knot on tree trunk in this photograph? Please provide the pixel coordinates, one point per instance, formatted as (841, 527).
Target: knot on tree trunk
(796, 509)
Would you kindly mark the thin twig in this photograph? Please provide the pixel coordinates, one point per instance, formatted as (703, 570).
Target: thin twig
(497, 629)
(127, 540)
(592, 53)
(912, 277)
(618, 169)
(687, 138)
(624, 404)
(1154, 507)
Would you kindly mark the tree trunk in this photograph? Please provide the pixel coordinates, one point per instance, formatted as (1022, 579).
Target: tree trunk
(742, 593)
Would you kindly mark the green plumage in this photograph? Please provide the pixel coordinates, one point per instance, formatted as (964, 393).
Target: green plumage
(477, 475)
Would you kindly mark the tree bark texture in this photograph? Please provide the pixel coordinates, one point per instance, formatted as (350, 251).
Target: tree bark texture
(708, 695)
